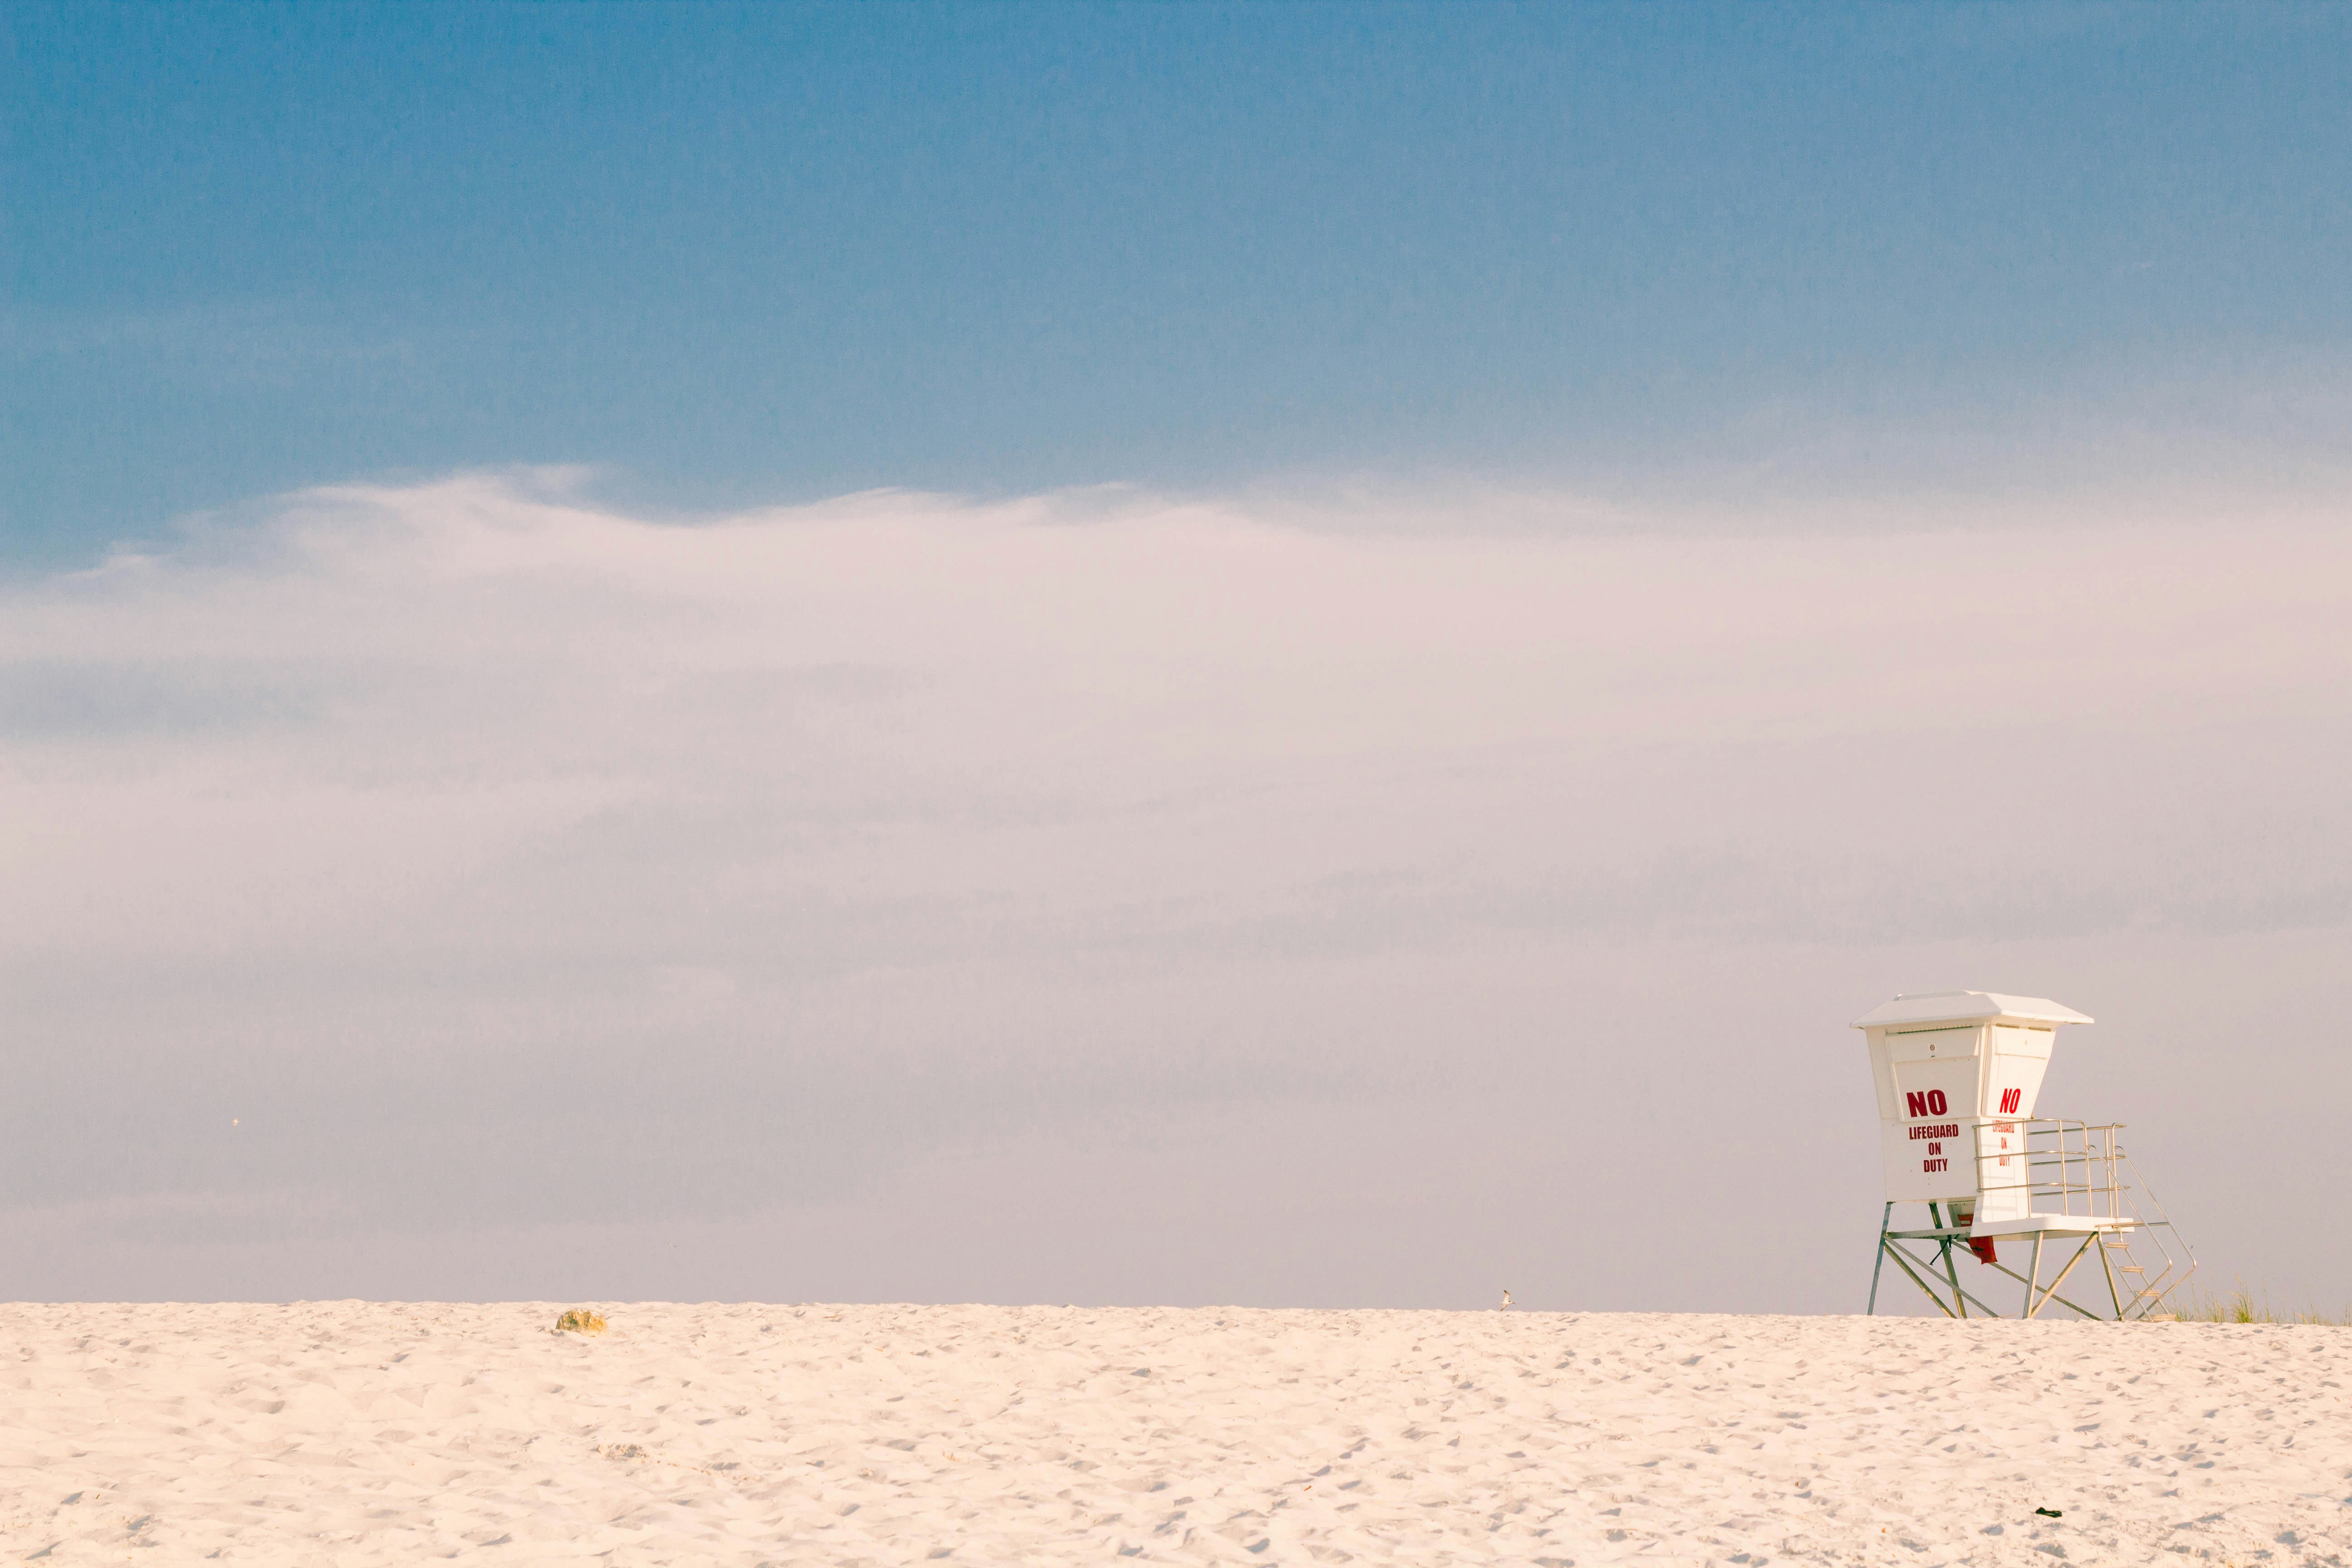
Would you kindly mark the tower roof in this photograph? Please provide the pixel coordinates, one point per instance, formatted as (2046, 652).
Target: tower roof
(1968, 1007)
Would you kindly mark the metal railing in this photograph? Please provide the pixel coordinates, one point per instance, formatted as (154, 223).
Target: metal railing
(2055, 1166)
(2048, 1165)
(2081, 1168)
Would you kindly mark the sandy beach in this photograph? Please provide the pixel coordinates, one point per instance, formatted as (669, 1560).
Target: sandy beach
(350, 1433)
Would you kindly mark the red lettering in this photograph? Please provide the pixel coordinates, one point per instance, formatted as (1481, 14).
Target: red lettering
(1916, 1104)
(1935, 1102)
(2010, 1101)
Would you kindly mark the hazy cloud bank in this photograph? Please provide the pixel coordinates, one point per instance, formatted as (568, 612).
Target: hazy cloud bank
(1099, 894)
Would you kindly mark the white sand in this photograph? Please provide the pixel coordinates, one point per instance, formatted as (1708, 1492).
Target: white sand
(350, 1432)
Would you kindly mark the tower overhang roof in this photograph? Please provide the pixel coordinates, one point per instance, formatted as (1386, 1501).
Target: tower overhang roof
(1968, 1007)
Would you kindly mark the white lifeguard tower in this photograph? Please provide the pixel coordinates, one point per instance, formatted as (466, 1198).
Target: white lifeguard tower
(1957, 1073)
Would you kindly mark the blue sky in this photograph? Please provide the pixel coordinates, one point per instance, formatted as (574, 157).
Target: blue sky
(747, 254)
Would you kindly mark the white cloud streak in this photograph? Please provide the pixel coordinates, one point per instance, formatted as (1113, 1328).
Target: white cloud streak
(524, 865)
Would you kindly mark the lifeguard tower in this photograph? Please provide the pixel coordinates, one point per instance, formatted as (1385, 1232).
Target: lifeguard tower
(1957, 1073)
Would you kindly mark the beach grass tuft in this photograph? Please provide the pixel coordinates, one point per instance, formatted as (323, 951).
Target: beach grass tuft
(2240, 1305)
(580, 1320)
